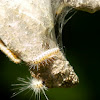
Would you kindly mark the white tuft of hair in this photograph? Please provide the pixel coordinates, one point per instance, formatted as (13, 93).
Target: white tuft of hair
(36, 85)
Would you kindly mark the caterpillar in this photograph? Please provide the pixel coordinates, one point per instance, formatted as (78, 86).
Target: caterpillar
(46, 57)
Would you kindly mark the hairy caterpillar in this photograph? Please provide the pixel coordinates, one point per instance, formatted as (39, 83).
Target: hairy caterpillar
(46, 57)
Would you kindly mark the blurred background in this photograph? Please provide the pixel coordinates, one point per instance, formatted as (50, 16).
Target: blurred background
(81, 38)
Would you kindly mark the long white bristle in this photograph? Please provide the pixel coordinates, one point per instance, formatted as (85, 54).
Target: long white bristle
(34, 84)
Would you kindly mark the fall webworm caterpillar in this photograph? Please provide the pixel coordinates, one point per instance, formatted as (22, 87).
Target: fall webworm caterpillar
(46, 56)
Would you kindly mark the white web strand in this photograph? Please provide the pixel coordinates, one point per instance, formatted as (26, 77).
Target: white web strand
(34, 84)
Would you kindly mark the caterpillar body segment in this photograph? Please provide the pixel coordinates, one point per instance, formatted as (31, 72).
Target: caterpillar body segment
(46, 57)
(6, 51)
